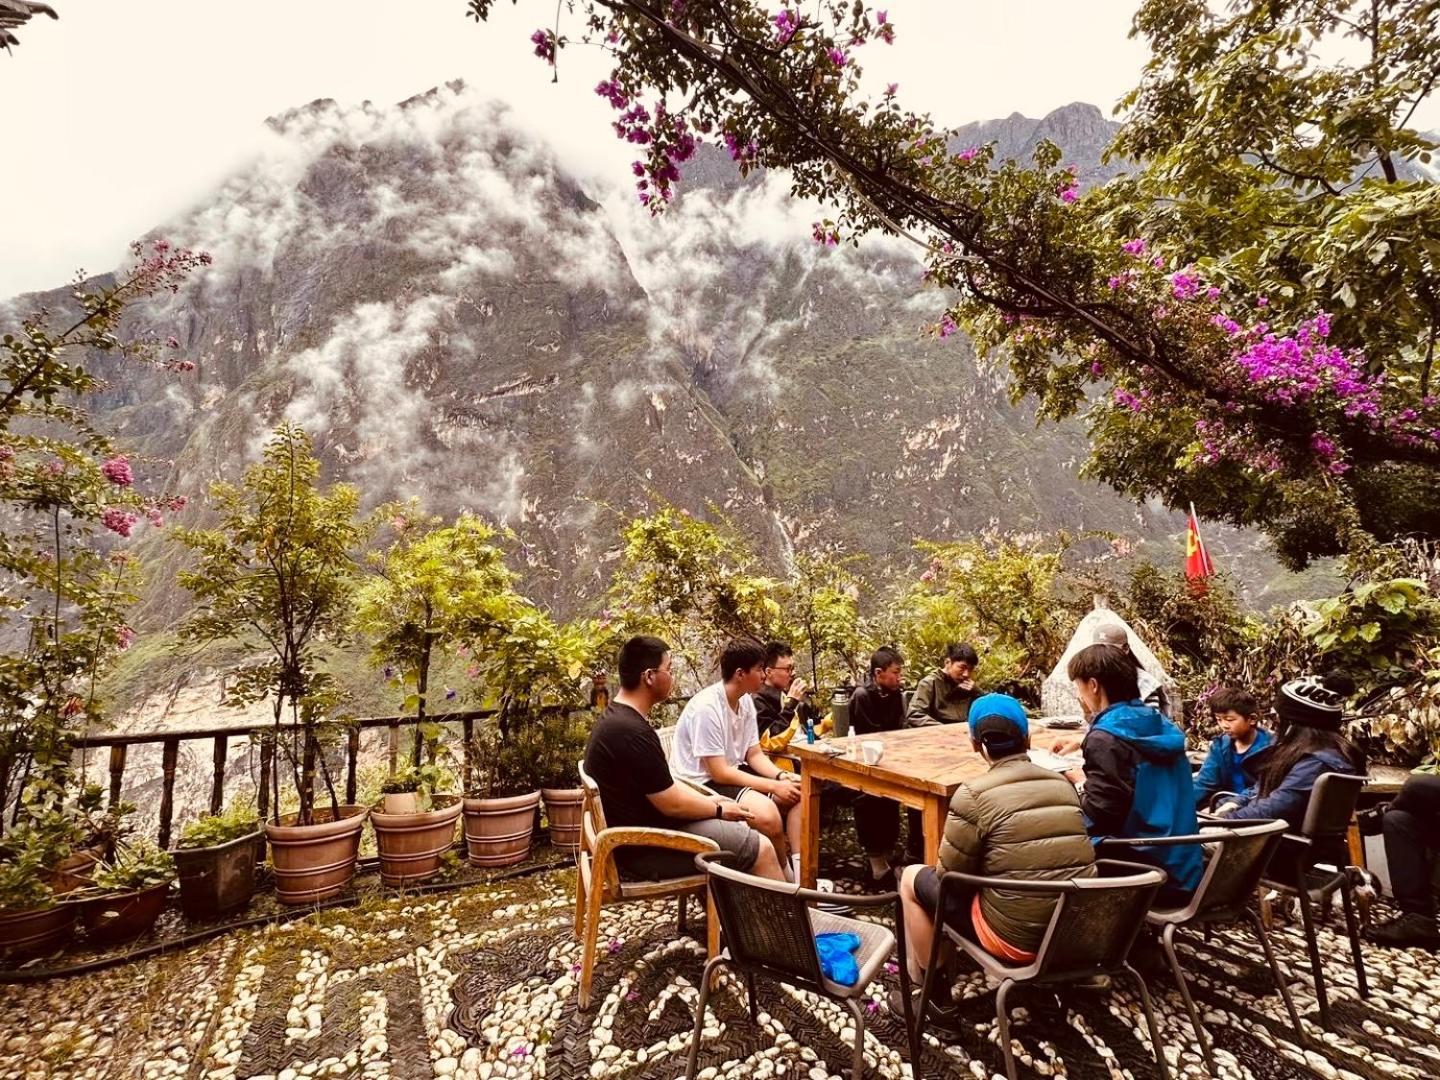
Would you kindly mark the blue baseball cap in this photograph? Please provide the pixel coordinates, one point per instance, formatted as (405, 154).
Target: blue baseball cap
(997, 707)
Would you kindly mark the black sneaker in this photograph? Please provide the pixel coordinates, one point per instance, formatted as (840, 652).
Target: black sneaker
(940, 1020)
(1406, 931)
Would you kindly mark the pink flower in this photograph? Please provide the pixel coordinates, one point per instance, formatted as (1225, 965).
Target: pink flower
(969, 153)
(1184, 284)
(1070, 193)
(1134, 247)
(544, 42)
(947, 327)
(176, 503)
(891, 88)
(126, 637)
(1262, 301)
(614, 945)
(837, 57)
(119, 520)
(117, 471)
(152, 514)
(881, 18)
(785, 27)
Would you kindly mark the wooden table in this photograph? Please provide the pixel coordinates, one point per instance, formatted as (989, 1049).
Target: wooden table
(920, 767)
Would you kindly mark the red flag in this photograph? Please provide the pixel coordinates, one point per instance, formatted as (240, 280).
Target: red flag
(1198, 566)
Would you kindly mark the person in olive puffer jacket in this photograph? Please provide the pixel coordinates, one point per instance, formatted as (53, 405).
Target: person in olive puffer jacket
(1017, 820)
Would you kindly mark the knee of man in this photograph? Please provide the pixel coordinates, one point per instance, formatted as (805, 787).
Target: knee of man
(767, 816)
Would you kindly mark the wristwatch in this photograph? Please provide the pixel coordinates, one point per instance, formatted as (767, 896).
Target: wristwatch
(719, 809)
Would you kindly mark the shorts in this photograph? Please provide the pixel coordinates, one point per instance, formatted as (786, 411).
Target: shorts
(658, 864)
(732, 791)
(957, 904)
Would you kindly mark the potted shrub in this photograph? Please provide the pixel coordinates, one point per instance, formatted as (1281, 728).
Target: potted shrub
(215, 860)
(502, 807)
(562, 744)
(279, 569)
(32, 923)
(133, 888)
(414, 826)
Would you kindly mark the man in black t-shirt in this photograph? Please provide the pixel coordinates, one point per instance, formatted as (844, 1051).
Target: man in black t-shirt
(628, 765)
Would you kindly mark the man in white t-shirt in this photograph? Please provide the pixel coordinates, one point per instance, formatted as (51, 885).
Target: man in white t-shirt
(717, 743)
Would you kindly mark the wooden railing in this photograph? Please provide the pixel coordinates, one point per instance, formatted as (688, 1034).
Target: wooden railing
(264, 736)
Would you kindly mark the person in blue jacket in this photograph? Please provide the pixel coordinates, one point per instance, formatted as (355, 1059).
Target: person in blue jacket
(1241, 738)
(1309, 744)
(1137, 778)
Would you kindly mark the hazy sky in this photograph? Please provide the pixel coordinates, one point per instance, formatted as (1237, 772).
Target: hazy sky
(121, 115)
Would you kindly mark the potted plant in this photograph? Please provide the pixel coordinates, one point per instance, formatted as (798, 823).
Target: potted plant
(414, 826)
(132, 889)
(504, 802)
(215, 860)
(279, 569)
(563, 736)
(32, 923)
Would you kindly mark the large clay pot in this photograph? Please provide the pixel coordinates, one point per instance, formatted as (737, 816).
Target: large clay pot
(498, 832)
(73, 871)
(120, 917)
(563, 807)
(35, 932)
(215, 881)
(411, 845)
(315, 862)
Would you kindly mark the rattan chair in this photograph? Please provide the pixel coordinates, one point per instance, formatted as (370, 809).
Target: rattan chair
(770, 929)
(1323, 839)
(1237, 856)
(598, 881)
(1095, 922)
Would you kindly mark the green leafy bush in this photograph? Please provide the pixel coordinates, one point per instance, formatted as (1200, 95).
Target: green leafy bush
(135, 867)
(211, 830)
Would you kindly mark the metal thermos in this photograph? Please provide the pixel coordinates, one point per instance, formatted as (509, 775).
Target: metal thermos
(840, 711)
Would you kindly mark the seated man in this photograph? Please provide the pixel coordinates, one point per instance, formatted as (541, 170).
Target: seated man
(1137, 778)
(627, 763)
(717, 743)
(944, 696)
(1412, 836)
(780, 705)
(1019, 820)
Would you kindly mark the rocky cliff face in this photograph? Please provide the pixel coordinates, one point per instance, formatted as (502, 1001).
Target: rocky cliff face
(456, 318)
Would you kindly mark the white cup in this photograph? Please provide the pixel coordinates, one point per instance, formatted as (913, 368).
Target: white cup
(871, 750)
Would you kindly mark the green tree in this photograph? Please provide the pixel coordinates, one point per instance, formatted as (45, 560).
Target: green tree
(279, 567)
(1185, 309)
(432, 588)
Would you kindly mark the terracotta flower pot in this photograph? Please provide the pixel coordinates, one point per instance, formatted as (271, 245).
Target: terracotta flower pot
(214, 881)
(498, 832)
(74, 871)
(37, 931)
(411, 845)
(110, 920)
(315, 862)
(400, 802)
(563, 807)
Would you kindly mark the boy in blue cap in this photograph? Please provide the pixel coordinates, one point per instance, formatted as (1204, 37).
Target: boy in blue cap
(1018, 820)
(1137, 778)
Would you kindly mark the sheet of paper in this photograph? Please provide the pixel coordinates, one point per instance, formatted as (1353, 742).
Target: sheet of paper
(1060, 763)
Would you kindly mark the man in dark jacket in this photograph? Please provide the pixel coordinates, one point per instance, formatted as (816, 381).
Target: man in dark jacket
(780, 703)
(879, 706)
(944, 696)
(1137, 778)
(1019, 820)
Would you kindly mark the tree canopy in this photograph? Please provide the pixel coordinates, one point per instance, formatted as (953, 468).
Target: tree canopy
(1246, 318)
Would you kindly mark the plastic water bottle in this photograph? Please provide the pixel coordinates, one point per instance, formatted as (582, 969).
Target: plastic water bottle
(809, 728)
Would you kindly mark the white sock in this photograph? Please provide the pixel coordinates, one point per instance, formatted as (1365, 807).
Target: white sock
(794, 867)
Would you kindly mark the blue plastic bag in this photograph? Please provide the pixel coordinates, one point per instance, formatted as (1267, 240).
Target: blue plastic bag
(837, 957)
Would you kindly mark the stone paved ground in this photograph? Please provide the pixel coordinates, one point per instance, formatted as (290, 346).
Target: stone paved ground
(481, 983)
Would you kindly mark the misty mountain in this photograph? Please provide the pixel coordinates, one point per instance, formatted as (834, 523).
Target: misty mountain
(457, 318)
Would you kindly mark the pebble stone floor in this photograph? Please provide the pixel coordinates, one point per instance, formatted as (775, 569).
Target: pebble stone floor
(481, 984)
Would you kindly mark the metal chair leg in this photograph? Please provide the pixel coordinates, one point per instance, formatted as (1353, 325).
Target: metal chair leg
(857, 1065)
(710, 968)
(1352, 927)
(1150, 1023)
(1167, 939)
(1312, 946)
(1281, 983)
(750, 996)
(1002, 1019)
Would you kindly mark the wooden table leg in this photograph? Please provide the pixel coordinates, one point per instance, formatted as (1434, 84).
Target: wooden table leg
(934, 822)
(809, 828)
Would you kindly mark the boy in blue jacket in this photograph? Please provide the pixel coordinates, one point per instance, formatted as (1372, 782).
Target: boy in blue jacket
(1309, 744)
(1137, 778)
(1240, 739)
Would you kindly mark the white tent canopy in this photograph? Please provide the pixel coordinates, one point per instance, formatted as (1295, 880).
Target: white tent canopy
(1057, 696)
